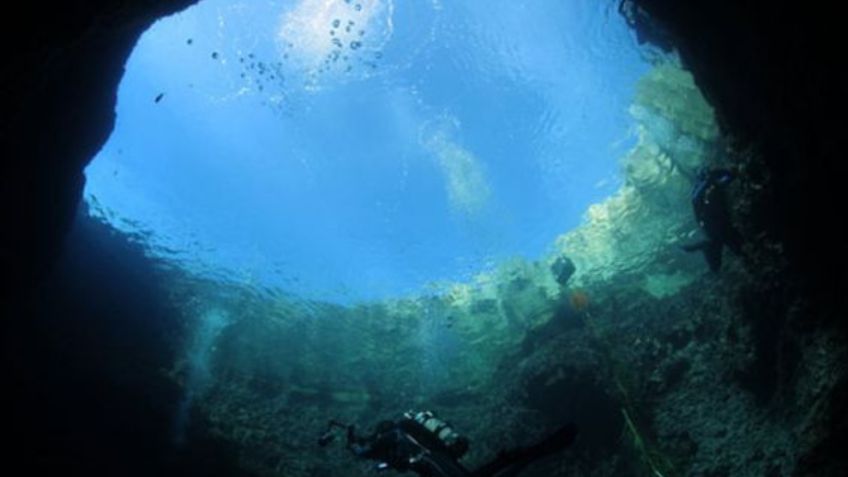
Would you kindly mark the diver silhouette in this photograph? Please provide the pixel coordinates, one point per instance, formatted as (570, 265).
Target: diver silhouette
(713, 216)
(422, 443)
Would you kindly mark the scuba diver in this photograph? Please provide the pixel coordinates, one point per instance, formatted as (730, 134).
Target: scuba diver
(422, 443)
(713, 216)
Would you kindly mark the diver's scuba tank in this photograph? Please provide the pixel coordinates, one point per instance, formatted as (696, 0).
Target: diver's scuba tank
(456, 444)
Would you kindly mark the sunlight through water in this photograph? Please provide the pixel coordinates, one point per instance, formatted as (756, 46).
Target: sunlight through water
(350, 150)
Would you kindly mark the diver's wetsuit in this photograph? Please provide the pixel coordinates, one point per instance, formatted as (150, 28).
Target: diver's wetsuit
(406, 445)
(713, 215)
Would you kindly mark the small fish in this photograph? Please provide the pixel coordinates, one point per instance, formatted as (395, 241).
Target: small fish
(189, 41)
(214, 55)
(159, 97)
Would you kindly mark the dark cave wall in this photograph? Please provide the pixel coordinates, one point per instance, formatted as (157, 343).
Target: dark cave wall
(85, 368)
(772, 72)
(86, 329)
(59, 87)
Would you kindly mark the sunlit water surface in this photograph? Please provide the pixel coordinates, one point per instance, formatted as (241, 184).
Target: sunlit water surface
(350, 150)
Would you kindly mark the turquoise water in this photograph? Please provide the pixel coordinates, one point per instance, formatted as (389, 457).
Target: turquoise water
(346, 154)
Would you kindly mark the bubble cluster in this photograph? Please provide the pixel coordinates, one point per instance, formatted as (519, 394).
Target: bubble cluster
(318, 44)
(335, 39)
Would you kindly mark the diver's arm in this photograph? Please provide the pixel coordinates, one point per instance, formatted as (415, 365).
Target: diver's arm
(361, 449)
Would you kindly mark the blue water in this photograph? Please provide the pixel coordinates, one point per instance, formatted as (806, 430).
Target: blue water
(438, 139)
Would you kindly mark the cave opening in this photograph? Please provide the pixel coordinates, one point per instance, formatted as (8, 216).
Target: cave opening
(120, 359)
(351, 151)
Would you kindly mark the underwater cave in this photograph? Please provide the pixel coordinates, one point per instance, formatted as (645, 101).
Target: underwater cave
(230, 222)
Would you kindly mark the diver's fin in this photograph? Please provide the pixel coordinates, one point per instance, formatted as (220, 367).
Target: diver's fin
(694, 247)
(733, 241)
(712, 253)
(509, 463)
(559, 440)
